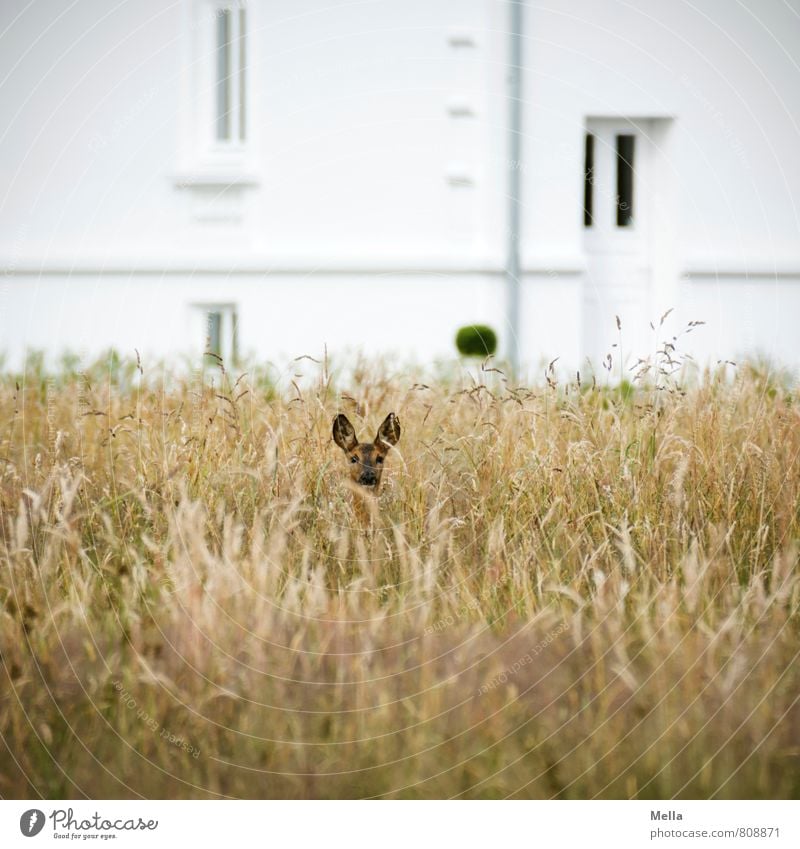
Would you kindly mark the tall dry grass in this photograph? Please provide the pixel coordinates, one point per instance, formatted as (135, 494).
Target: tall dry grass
(570, 591)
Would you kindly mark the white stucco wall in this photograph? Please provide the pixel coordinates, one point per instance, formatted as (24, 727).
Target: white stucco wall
(281, 316)
(355, 229)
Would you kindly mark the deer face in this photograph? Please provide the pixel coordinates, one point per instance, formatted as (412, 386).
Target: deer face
(365, 459)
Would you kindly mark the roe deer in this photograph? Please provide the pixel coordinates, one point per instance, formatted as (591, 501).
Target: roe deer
(365, 459)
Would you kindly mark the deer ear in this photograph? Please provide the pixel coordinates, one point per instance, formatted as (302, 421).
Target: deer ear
(389, 431)
(344, 434)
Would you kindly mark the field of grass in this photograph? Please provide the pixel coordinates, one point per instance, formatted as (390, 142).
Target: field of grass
(567, 591)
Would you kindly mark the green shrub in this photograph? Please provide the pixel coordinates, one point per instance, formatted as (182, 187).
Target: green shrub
(476, 340)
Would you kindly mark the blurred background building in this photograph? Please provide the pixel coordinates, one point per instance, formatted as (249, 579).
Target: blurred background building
(268, 177)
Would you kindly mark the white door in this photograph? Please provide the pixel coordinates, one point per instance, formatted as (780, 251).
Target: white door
(617, 187)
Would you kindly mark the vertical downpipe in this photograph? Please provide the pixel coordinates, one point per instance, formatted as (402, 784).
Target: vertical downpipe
(514, 182)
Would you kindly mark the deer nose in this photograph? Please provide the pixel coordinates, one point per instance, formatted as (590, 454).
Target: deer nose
(368, 478)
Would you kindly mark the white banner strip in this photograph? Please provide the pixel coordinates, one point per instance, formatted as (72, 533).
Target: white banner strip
(403, 824)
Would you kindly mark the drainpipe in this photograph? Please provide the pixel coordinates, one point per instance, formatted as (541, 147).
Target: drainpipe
(514, 166)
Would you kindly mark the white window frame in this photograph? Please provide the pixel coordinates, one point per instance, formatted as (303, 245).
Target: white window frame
(204, 159)
(229, 330)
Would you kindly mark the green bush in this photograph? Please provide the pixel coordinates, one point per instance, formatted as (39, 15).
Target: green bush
(476, 340)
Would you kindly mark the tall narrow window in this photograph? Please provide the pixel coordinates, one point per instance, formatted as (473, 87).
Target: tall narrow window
(588, 181)
(625, 148)
(223, 74)
(242, 78)
(220, 328)
(231, 68)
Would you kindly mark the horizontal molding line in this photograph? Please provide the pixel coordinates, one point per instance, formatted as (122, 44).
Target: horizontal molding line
(231, 267)
(262, 268)
(238, 271)
(781, 271)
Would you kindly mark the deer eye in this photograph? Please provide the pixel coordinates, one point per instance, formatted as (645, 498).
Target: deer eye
(354, 459)
(379, 461)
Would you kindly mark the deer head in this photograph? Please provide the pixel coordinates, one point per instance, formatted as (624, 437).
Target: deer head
(365, 459)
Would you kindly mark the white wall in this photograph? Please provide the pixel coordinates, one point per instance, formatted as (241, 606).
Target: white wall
(726, 72)
(725, 75)
(754, 316)
(281, 316)
(351, 230)
(350, 105)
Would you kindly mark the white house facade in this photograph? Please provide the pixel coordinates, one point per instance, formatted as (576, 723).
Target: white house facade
(273, 178)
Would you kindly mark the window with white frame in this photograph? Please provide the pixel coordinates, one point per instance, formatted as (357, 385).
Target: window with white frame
(217, 126)
(215, 328)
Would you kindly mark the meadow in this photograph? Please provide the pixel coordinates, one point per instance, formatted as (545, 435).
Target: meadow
(572, 589)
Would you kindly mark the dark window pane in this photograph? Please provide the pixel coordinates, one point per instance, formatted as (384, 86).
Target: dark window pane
(625, 147)
(588, 181)
(223, 74)
(242, 66)
(214, 333)
(234, 338)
